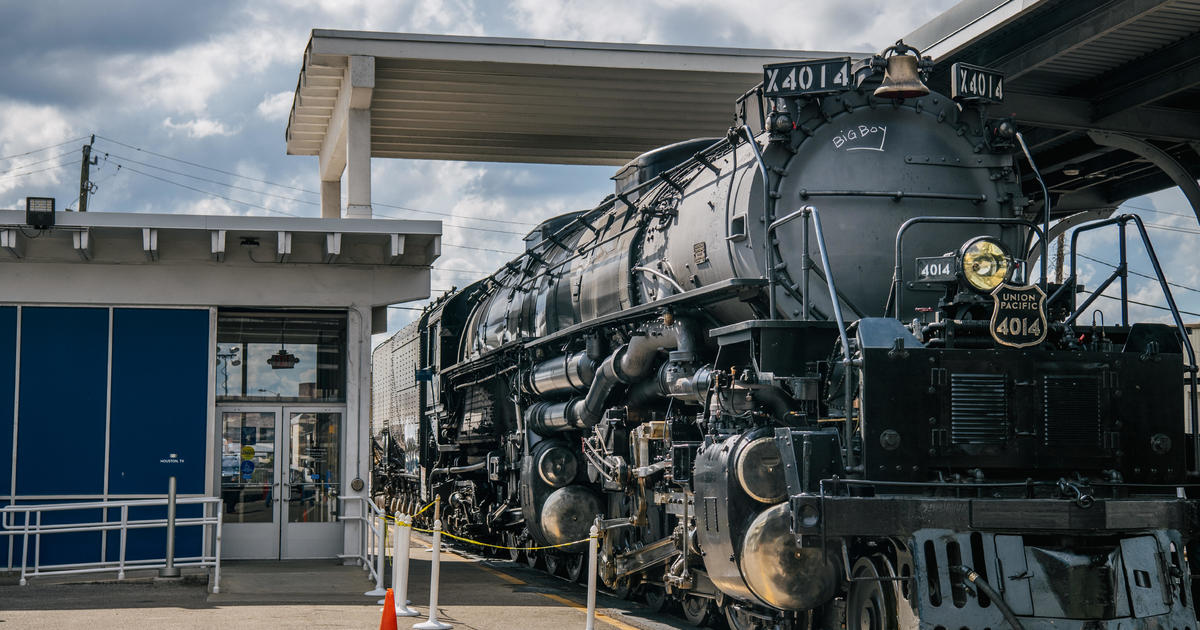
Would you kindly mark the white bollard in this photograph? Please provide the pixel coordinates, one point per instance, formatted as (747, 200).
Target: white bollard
(400, 566)
(380, 533)
(593, 550)
(433, 623)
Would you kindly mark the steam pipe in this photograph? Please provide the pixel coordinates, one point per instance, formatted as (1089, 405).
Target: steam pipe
(629, 364)
(1045, 214)
(458, 470)
(769, 272)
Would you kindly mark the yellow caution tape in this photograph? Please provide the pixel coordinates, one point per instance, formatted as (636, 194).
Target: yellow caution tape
(483, 544)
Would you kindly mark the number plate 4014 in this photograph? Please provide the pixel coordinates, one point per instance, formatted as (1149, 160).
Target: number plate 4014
(976, 83)
(806, 77)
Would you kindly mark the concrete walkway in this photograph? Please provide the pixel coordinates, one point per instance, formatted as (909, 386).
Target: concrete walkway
(476, 594)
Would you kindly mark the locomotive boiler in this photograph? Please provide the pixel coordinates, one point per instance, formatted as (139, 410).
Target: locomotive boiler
(806, 376)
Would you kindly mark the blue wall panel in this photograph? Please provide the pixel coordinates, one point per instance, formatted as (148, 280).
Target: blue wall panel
(66, 548)
(8, 368)
(159, 400)
(147, 544)
(64, 377)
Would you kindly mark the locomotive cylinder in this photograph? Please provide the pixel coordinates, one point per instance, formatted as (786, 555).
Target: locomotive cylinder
(570, 373)
(548, 418)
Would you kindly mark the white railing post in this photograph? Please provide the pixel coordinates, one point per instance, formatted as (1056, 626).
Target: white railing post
(37, 544)
(378, 531)
(25, 550)
(433, 623)
(593, 549)
(124, 531)
(400, 565)
(217, 550)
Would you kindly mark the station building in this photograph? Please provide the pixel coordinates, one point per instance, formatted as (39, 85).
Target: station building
(229, 352)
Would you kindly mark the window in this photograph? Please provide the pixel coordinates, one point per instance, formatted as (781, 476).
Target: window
(286, 356)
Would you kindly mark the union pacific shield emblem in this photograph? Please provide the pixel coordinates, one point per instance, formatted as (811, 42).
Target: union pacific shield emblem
(1018, 315)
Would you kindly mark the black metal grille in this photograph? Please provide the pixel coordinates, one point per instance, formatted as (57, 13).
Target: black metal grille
(1072, 411)
(978, 409)
(478, 423)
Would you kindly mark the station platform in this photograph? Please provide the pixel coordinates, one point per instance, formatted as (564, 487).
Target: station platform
(476, 593)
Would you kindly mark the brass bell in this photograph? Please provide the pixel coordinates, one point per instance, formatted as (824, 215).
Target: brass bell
(900, 79)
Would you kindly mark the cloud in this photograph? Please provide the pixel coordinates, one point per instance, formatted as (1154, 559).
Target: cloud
(34, 130)
(858, 26)
(199, 127)
(276, 107)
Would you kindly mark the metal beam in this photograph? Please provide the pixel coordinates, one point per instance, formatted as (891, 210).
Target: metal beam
(1178, 174)
(1153, 88)
(1103, 21)
(1076, 113)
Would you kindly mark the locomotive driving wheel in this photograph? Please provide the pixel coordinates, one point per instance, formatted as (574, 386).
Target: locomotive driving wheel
(696, 610)
(738, 619)
(554, 562)
(514, 551)
(871, 604)
(656, 597)
(575, 564)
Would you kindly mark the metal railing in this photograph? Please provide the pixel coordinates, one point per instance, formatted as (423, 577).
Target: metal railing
(372, 546)
(26, 522)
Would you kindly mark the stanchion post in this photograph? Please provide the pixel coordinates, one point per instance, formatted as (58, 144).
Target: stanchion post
(170, 571)
(593, 551)
(433, 623)
(400, 565)
(379, 533)
(217, 551)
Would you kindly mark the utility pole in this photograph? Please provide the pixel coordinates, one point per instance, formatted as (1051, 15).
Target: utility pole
(1058, 260)
(85, 173)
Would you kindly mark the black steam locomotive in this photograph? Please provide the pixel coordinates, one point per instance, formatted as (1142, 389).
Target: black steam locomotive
(802, 378)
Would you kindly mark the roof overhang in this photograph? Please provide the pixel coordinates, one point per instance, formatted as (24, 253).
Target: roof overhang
(523, 100)
(1086, 82)
(136, 258)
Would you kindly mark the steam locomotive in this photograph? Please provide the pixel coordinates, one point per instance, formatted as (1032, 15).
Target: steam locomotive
(802, 377)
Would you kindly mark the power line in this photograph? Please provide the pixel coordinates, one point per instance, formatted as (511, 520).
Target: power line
(450, 214)
(259, 207)
(31, 152)
(1136, 273)
(24, 166)
(213, 181)
(461, 227)
(1161, 308)
(1172, 228)
(204, 192)
(284, 197)
(209, 168)
(303, 190)
(1174, 214)
(42, 170)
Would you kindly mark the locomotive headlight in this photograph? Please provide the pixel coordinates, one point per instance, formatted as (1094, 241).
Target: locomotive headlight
(985, 263)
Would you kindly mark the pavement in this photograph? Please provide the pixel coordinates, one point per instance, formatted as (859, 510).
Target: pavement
(476, 594)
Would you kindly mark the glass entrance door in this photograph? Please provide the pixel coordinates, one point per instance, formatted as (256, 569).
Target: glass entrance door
(280, 478)
(311, 528)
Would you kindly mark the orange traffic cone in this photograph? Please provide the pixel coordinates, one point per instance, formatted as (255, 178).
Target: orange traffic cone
(388, 620)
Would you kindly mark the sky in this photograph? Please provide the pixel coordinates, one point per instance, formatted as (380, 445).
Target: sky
(189, 103)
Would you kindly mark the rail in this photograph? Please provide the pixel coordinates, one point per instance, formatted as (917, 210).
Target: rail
(26, 522)
(895, 296)
(1122, 273)
(372, 549)
(807, 212)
